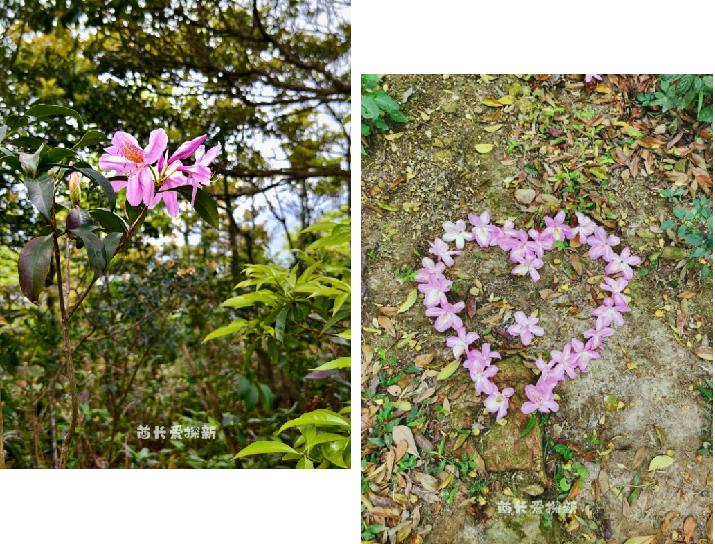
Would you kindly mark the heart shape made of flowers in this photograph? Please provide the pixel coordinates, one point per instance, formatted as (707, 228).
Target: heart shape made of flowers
(526, 251)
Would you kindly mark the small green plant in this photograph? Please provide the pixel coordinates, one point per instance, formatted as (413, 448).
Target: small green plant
(376, 108)
(683, 92)
(696, 230)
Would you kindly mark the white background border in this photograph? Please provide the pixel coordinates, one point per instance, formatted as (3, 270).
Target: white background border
(389, 36)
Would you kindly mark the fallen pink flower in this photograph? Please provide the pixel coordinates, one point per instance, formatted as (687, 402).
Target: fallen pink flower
(441, 249)
(460, 343)
(541, 398)
(456, 232)
(446, 315)
(525, 328)
(498, 402)
(622, 263)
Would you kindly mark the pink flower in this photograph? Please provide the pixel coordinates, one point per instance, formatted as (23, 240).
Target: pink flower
(456, 232)
(198, 173)
(563, 359)
(525, 327)
(541, 398)
(543, 241)
(582, 354)
(125, 156)
(521, 247)
(429, 270)
(480, 374)
(485, 356)
(615, 286)
(440, 248)
(622, 263)
(601, 244)
(551, 373)
(434, 290)
(446, 315)
(598, 333)
(610, 312)
(505, 236)
(530, 266)
(590, 77)
(586, 227)
(483, 232)
(498, 402)
(556, 226)
(460, 343)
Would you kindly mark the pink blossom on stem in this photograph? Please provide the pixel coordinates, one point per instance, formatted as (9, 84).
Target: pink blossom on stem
(601, 244)
(525, 328)
(446, 315)
(441, 249)
(622, 263)
(541, 398)
(482, 231)
(125, 156)
(498, 402)
(456, 232)
(434, 290)
(429, 270)
(460, 343)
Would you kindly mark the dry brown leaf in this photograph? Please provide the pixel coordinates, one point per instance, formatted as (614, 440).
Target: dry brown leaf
(403, 432)
(424, 359)
(387, 324)
(689, 526)
(389, 311)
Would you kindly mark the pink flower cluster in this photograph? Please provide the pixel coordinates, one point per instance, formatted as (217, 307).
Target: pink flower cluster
(526, 251)
(151, 176)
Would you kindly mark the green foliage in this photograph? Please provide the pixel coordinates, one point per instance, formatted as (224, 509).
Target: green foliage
(695, 228)
(306, 307)
(377, 108)
(683, 92)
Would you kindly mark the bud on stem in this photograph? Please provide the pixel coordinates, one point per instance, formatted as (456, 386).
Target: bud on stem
(75, 191)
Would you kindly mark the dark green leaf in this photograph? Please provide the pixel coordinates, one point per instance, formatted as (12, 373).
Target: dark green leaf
(91, 137)
(204, 205)
(530, 425)
(385, 102)
(133, 212)
(111, 243)
(104, 184)
(369, 109)
(54, 155)
(41, 192)
(94, 247)
(109, 220)
(41, 111)
(34, 264)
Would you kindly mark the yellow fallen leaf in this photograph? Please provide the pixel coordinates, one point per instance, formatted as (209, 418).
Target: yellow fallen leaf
(409, 301)
(394, 136)
(660, 461)
(506, 100)
(484, 148)
(448, 370)
(601, 88)
(492, 103)
(493, 128)
(647, 539)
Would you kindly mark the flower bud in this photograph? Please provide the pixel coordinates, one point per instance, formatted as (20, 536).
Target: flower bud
(75, 191)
